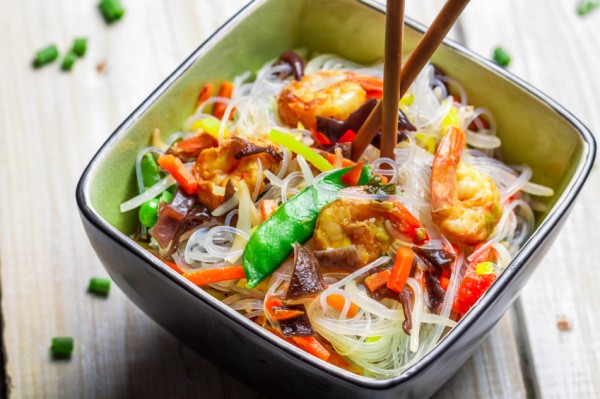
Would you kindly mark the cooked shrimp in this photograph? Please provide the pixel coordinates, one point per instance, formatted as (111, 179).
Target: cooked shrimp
(220, 169)
(363, 224)
(330, 94)
(465, 203)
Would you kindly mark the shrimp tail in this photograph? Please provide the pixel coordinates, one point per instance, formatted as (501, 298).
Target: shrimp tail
(444, 193)
(405, 223)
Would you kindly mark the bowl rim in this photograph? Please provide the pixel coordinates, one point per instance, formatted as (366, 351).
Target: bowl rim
(515, 268)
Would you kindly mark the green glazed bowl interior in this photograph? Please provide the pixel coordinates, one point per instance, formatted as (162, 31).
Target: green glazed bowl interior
(529, 128)
(534, 130)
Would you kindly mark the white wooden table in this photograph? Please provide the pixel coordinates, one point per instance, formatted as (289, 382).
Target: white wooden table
(51, 123)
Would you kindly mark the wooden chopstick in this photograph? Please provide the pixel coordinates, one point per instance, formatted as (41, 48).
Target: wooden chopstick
(415, 63)
(394, 28)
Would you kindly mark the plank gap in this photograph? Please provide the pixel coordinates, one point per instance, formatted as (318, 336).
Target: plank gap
(528, 373)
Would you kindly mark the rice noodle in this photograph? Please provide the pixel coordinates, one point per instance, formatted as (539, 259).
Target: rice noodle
(373, 338)
(147, 195)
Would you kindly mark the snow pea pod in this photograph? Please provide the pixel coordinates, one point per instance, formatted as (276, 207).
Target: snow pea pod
(271, 243)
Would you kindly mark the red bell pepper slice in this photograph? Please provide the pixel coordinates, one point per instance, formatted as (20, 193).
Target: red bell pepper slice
(347, 137)
(352, 176)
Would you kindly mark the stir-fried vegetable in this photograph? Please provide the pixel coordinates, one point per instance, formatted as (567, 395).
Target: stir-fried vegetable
(297, 147)
(380, 246)
(182, 175)
(207, 276)
(271, 243)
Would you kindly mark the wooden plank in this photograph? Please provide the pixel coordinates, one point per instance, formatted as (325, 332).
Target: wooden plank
(51, 124)
(555, 49)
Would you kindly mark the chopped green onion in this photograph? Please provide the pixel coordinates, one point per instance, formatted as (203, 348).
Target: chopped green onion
(501, 57)
(62, 347)
(79, 46)
(585, 6)
(68, 61)
(111, 10)
(99, 286)
(45, 56)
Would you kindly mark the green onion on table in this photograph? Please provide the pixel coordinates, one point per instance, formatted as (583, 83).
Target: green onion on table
(45, 56)
(99, 286)
(62, 347)
(501, 57)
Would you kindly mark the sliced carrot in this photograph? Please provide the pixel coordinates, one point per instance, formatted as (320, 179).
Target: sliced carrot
(352, 176)
(272, 302)
(284, 314)
(205, 93)
(338, 301)
(180, 173)
(345, 162)
(312, 346)
(225, 91)
(173, 266)
(207, 276)
(194, 145)
(267, 208)
(401, 270)
(377, 280)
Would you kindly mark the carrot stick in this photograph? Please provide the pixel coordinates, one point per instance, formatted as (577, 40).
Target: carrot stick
(205, 93)
(345, 162)
(173, 266)
(338, 301)
(225, 91)
(401, 270)
(207, 276)
(180, 173)
(377, 280)
(312, 346)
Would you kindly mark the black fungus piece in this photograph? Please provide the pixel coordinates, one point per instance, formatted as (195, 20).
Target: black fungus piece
(195, 218)
(405, 299)
(298, 326)
(435, 293)
(435, 259)
(171, 217)
(404, 126)
(296, 63)
(345, 258)
(182, 202)
(382, 293)
(244, 148)
(307, 278)
(334, 129)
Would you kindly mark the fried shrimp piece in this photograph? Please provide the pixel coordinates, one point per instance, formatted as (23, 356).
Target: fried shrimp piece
(465, 203)
(220, 169)
(363, 224)
(330, 94)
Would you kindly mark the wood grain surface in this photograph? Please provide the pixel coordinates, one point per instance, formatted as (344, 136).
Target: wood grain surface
(51, 123)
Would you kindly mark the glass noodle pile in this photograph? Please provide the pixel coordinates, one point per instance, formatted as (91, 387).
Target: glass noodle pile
(365, 266)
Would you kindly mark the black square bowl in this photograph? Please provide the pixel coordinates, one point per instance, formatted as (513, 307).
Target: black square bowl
(534, 130)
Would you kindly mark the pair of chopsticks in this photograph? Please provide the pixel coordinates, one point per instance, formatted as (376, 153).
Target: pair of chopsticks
(397, 78)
